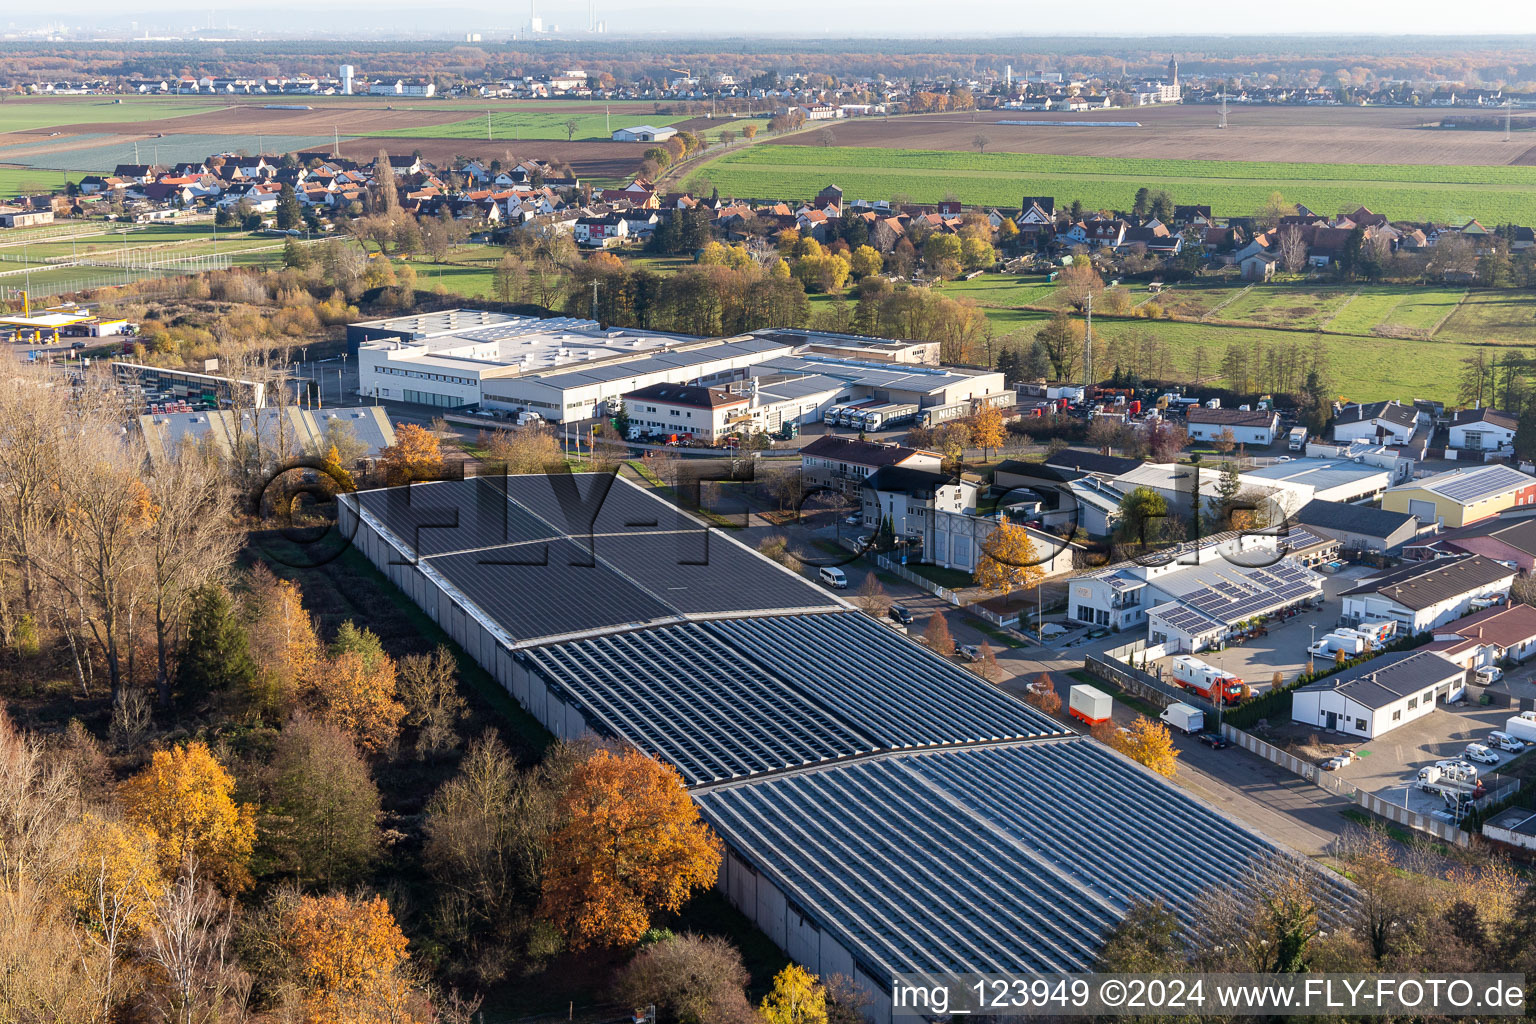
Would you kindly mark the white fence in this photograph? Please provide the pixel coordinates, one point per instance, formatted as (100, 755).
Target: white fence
(1369, 801)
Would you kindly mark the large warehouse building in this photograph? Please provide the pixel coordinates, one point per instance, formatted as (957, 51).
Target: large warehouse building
(566, 369)
(884, 811)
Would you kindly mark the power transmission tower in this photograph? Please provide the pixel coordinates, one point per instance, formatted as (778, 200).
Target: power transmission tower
(1508, 102)
(1223, 123)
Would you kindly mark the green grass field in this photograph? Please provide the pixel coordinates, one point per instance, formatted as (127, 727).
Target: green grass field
(1496, 195)
(1366, 366)
(18, 114)
(534, 124)
(15, 181)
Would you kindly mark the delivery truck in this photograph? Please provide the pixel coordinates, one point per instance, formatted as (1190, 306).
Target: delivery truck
(1522, 726)
(1298, 439)
(1089, 704)
(1207, 680)
(1184, 717)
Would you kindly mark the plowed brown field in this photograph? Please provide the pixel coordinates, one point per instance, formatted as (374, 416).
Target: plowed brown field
(1332, 135)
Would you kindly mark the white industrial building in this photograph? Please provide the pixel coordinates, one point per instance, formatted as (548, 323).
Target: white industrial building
(1310, 479)
(1380, 694)
(1253, 427)
(756, 405)
(1192, 595)
(803, 730)
(1476, 432)
(569, 369)
(1423, 595)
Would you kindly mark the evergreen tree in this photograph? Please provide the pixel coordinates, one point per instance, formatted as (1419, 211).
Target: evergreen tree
(289, 213)
(1227, 487)
(1525, 433)
(217, 656)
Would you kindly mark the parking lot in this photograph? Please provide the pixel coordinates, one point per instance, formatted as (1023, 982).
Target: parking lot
(1389, 764)
(1284, 650)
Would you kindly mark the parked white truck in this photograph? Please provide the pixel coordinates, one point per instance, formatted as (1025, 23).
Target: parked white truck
(1184, 717)
(1522, 726)
(1298, 438)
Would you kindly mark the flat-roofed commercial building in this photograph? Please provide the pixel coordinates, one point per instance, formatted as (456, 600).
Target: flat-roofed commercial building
(809, 734)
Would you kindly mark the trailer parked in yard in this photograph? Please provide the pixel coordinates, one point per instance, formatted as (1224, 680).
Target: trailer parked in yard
(881, 417)
(1089, 704)
(1184, 717)
(1332, 643)
(1207, 680)
(1298, 438)
(936, 414)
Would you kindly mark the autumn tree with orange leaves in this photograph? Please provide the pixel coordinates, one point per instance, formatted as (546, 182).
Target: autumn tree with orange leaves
(631, 844)
(357, 689)
(349, 957)
(415, 455)
(185, 799)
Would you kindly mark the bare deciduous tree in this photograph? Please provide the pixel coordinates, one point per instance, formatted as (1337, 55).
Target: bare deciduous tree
(188, 940)
(1293, 249)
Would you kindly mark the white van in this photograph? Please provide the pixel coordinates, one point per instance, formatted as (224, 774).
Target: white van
(1504, 741)
(834, 578)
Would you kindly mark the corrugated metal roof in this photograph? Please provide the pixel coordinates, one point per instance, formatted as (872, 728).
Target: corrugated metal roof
(986, 859)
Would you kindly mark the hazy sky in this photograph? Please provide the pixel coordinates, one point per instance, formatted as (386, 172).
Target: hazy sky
(853, 17)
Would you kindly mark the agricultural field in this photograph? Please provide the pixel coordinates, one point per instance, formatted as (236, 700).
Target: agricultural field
(1353, 325)
(1384, 308)
(1494, 194)
(525, 123)
(18, 180)
(1493, 317)
(1325, 135)
(1303, 308)
(19, 114)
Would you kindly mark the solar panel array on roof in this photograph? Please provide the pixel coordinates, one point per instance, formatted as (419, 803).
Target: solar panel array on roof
(1240, 594)
(896, 690)
(1477, 484)
(1188, 621)
(993, 859)
(720, 699)
(549, 556)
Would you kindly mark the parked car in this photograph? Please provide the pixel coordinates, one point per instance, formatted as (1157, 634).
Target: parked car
(1478, 752)
(970, 652)
(1465, 767)
(1488, 675)
(1214, 740)
(899, 613)
(855, 519)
